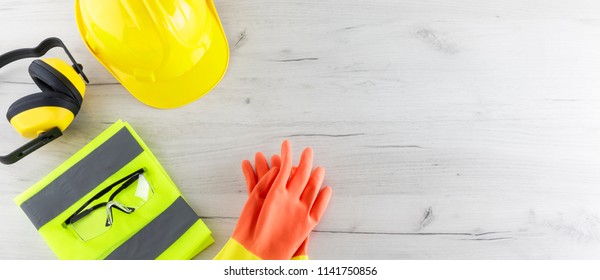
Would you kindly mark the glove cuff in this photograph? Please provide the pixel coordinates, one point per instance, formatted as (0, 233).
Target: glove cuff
(233, 250)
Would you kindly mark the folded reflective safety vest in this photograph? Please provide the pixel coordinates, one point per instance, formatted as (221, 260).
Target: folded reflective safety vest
(113, 200)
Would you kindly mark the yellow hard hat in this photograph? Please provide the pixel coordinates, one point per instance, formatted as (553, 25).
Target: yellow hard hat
(167, 53)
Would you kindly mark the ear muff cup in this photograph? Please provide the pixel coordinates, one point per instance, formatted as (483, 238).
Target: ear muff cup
(55, 75)
(41, 99)
(40, 112)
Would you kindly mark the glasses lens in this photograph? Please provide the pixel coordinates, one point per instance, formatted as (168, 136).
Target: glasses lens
(91, 225)
(134, 196)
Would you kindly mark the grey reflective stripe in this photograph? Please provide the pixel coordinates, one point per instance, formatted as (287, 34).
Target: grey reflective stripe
(81, 178)
(158, 235)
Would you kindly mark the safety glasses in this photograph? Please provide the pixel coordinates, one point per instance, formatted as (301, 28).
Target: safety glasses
(92, 221)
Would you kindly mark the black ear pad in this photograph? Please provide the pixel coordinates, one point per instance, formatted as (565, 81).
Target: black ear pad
(41, 99)
(49, 79)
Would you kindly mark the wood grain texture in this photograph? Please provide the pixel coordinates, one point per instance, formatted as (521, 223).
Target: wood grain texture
(449, 129)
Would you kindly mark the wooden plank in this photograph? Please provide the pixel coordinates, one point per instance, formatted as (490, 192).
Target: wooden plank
(448, 129)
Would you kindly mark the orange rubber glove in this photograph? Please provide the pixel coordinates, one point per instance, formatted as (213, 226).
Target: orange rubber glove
(280, 212)
(262, 167)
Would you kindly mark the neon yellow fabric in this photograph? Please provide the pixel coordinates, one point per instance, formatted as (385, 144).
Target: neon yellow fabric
(186, 247)
(67, 245)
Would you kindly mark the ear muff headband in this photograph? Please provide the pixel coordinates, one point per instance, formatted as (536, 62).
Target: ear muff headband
(46, 137)
(39, 51)
(31, 146)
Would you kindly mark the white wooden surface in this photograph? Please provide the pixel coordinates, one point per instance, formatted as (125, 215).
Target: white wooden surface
(456, 129)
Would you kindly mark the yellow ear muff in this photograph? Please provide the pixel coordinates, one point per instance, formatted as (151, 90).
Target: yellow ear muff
(40, 112)
(32, 122)
(68, 72)
(44, 115)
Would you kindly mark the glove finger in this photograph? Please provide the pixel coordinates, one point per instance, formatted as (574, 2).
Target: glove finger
(275, 160)
(320, 205)
(298, 182)
(251, 211)
(250, 176)
(266, 182)
(313, 186)
(286, 165)
(293, 172)
(262, 167)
